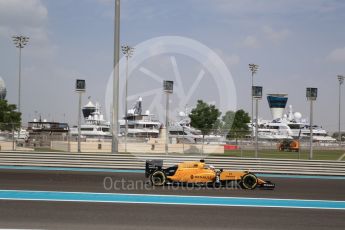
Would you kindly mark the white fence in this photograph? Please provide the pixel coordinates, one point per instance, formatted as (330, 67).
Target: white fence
(127, 161)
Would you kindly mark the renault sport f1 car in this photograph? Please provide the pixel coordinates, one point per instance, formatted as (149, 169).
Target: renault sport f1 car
(194, 172)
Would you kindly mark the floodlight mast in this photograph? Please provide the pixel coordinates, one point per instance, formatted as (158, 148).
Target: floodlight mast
(20, 42)
(341, 81)
(253, 69)
(128, 52)
(116, 74)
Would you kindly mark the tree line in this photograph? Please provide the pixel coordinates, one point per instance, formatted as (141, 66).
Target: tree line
(9, 117)
(207, 118)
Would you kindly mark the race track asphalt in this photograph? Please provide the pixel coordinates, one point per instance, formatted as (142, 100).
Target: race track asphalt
(84, 215)
(286, 188)
(61, 215)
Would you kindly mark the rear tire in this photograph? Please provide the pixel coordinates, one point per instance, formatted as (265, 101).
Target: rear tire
(158, 178)
(249, 181)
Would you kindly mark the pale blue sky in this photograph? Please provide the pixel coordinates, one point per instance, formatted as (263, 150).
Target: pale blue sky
(297, 43)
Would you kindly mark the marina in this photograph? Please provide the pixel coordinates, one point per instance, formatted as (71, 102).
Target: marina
(147, 134)
(289, 125)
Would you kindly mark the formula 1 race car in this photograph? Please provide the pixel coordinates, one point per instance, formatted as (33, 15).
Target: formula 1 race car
(194, 172)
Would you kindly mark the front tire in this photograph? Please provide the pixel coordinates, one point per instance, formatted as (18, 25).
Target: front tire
(158, 178)
(249, 181)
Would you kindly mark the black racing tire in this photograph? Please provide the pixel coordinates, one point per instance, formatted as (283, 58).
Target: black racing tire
(249, 181)
(158, 178)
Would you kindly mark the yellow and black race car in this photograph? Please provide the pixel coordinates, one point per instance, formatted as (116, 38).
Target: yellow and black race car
(194, 172)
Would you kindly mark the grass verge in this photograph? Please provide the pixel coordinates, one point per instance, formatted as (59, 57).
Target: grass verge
(303, 155)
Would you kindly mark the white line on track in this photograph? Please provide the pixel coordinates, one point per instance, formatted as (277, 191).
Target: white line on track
(341, 157)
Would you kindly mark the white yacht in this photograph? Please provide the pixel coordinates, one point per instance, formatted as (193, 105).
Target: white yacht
(182, 131)
(290, 125)
(22, 134)
(3, 136)
(269, 130)
(301, 128)
(140, 125)
(95, 126)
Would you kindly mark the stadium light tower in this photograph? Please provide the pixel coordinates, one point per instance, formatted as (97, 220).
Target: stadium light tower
(20, 42)
(253, 68)
(341, 81)
(311, 96)
(80, 88)
(168, 87)
(128, 52)
(116, 74)
(257, 95)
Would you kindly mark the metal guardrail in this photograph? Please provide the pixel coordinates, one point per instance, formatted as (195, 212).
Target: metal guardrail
(127, 161)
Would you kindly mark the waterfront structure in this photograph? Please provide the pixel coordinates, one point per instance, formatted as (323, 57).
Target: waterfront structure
(288, 125)
(277, 103)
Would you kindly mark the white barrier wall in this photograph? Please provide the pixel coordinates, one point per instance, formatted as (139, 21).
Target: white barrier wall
(136, 147)
(5, 146)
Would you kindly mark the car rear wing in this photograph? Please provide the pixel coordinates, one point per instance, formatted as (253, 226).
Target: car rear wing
(152, 165)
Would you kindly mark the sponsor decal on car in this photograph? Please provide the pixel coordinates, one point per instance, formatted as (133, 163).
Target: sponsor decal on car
(202, 177)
